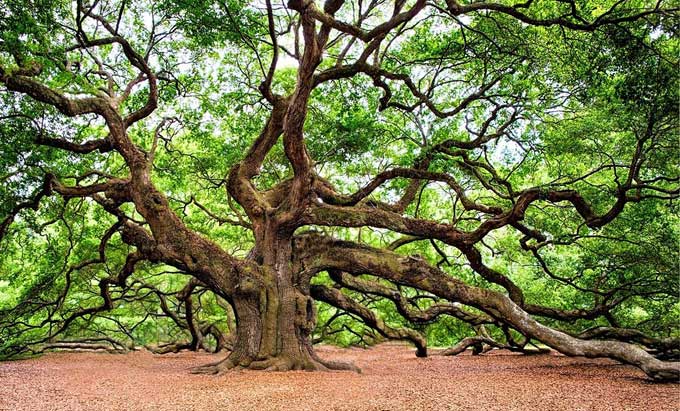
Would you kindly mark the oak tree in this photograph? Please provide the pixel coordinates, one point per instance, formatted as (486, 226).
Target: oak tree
(509, 165)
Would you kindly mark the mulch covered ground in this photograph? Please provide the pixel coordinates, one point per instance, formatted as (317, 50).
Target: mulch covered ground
(392, 379)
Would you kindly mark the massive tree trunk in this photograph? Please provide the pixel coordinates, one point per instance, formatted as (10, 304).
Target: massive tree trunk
(274, 317)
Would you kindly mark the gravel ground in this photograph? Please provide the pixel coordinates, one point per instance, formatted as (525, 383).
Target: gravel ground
(392, 379)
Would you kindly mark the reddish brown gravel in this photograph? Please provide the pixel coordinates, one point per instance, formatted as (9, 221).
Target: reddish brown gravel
(392, 379)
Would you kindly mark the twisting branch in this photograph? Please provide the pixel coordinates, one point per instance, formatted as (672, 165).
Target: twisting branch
(337, 299)
(405, 306)
(334, 254)
(573, 20)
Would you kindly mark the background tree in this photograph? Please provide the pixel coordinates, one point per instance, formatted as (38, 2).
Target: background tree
(504, 172)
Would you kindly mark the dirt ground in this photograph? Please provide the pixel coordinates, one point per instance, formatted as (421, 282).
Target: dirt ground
(392, 379)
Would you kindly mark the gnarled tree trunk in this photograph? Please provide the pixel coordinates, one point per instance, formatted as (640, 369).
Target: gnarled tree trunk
(275, 316)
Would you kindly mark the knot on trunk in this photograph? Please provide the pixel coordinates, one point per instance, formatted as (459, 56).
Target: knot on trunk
(305, 312)
(248, 285)
(119, 191)
(299, 5)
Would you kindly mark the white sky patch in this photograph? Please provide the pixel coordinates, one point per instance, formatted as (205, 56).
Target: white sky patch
(286, 61)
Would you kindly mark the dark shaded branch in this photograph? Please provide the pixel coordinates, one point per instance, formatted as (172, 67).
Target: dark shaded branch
(404, 305)
(337, 299)
(417, 273)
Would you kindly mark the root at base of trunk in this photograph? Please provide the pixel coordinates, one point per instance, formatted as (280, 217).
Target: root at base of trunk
(278, 363)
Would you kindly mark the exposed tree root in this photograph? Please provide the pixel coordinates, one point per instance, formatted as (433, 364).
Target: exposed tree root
(215, 368)
(277, 363)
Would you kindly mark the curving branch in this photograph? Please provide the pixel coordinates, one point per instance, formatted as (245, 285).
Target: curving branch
(413, 272)
(572, 20)
(337, 299)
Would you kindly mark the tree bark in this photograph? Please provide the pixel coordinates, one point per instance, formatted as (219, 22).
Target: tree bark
(274, 319)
